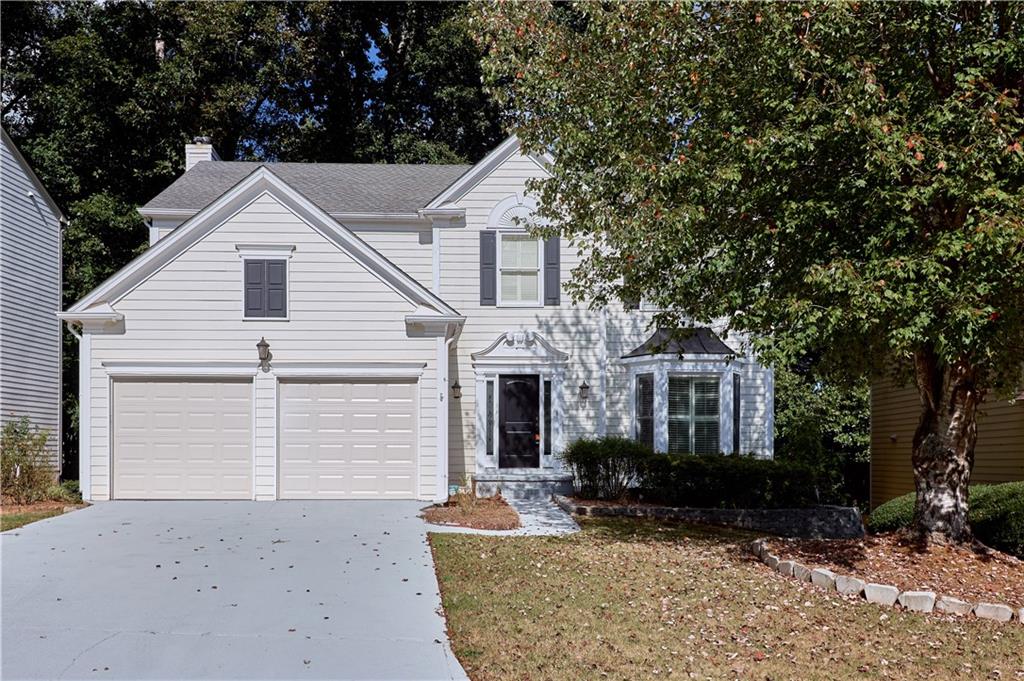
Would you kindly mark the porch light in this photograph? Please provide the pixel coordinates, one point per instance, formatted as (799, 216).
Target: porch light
(457, 390)
(584, 390)
(264, 349)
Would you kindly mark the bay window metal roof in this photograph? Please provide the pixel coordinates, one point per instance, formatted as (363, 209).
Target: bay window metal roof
(686, 341)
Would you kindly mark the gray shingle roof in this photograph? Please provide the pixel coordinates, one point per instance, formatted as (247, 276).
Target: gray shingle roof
(334, 187)
(688, 341)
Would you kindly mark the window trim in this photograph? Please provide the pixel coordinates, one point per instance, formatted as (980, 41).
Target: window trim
(281, 253)
(499, 301)
(699, 366)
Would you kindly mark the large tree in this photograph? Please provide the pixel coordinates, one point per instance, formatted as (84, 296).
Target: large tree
(847, 176)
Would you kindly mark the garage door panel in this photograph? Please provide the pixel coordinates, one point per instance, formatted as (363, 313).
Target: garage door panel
(182, 439)
(347, 439)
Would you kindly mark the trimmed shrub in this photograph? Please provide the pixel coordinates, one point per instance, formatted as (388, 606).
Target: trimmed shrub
(893, 515)
(606, 467)
(26, 473)
(996, 514)
(723, 481)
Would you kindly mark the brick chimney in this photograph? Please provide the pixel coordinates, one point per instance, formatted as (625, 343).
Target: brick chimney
(201, 149)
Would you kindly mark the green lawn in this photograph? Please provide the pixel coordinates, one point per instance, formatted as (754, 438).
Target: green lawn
(630, 599)
(13, 520)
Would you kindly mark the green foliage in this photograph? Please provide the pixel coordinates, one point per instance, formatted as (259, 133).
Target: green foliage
(610, 467)
(893, 515)
(860, 190)
(26, 473)
(604, 468)
(67, 492)
(825, 424)
(996, 515)
(717, 481)
(845, 176)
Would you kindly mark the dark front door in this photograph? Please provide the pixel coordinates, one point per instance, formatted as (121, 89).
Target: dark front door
(519, 421)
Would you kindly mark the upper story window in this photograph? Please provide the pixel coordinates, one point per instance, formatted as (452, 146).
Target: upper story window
(519, 269)
(516, 268)
(265, 281)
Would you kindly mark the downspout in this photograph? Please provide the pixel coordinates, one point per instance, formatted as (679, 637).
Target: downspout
(444, 352)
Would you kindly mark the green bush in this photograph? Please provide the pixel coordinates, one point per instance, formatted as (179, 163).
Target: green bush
(996, 515)
(606, 467)
(66, 491)
(723, 481)
(26, 473)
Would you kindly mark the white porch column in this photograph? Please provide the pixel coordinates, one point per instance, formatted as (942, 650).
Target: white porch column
(661, 408)
(725, 404)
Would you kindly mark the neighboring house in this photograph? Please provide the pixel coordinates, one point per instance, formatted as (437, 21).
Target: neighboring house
(30, 297)
(417, 338)
(998, 455)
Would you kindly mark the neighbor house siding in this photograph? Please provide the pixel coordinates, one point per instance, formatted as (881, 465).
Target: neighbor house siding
(574, 329)
(191, 310)
(998, 455)
(30, 292)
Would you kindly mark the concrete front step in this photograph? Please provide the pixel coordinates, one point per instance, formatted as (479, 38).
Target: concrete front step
(523, 486)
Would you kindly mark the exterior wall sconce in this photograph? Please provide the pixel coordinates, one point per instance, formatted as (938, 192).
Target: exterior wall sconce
(457, 390)
(265, 356)
(584, 390)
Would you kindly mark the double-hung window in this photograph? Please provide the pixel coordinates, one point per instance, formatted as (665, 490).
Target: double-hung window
(519, 270)
(693, 415)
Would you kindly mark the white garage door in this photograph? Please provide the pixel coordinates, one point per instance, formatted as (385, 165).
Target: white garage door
(178, 439)
(343, 440)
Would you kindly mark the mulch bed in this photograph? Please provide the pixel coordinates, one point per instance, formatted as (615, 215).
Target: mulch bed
(481, 513)
(961, 572)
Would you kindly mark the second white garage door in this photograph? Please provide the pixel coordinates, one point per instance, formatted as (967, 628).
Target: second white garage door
(351, 439)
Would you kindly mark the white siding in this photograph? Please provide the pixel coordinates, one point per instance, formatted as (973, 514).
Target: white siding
(191, 310)
(30, 289)
(574, 329)
(410, 249)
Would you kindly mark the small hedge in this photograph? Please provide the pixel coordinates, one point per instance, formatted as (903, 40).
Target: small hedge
(996, 514)
(723, 481)
(609, 468)
(606, 467)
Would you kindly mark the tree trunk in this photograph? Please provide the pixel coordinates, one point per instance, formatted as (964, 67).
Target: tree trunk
(944, 446)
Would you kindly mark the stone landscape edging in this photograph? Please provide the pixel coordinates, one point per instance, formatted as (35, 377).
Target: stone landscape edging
(882, 594)
(818, 522)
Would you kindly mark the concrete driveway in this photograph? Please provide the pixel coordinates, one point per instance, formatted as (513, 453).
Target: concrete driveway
(224, 590)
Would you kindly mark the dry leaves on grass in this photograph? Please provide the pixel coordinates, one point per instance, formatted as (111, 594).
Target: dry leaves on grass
(468, 510)
(16, 509)
(627, 599)
(958, 571)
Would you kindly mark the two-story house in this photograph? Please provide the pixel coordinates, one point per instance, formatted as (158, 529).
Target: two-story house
(30, 296)
(323, 331)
